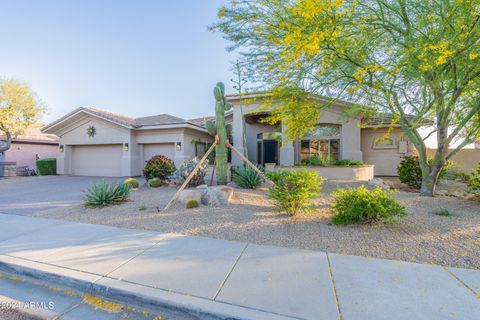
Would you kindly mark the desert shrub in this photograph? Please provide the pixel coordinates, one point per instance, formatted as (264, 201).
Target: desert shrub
(410, 173)
(474, 179)
(191, 203)
(246, 177)
(455, 173)
(132, 182)
(295, 191)
(47, 166)
(160, 167)
(102, 194)
(186, 168)
(317, 160)
(155, 182)
(444, 212)
(348, 163)
(360, 205)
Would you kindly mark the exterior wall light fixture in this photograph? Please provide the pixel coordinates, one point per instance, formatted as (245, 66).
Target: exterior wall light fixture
(125, 147)
(178, 146)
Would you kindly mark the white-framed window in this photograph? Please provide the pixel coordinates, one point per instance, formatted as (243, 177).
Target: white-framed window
(323, 140)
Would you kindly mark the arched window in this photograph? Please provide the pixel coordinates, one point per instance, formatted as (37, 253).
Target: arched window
(323, 140)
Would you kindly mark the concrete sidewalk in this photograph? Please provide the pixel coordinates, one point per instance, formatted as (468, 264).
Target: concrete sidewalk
(240, 280)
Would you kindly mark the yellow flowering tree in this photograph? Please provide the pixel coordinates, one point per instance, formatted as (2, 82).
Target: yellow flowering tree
(19, 109)
(416, 60)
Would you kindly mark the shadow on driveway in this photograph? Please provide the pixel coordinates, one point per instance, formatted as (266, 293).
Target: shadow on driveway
(27, 195)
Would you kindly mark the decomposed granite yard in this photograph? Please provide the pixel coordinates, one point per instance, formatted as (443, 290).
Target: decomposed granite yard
(422, 236)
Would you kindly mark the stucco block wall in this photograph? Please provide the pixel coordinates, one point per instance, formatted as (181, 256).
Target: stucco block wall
(24, 154)
(465, 159)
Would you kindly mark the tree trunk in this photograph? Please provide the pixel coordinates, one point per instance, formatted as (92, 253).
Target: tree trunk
(8, 140)
(430, 175)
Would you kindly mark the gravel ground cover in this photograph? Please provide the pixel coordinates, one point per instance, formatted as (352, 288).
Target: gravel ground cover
(420, 237)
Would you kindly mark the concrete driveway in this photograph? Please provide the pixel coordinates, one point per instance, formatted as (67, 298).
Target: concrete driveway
(27, 195)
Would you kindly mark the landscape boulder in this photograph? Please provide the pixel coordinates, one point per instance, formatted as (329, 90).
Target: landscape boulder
(377, 182)
(216, 196)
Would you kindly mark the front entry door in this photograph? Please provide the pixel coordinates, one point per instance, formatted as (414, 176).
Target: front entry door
(270, 151)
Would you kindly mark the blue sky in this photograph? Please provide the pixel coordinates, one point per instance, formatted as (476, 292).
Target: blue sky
(136, 57)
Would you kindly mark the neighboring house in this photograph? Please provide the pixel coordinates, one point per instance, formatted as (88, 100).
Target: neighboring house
(335, 137)
(94, 142)
(30, 146)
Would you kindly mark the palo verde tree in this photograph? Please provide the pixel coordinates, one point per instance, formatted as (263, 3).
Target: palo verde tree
(412, 59)
(19, 109)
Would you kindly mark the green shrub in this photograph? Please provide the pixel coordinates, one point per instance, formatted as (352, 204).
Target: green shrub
(246, 177)
(191, 203)
(186, 168)
(323, 161)
(132, 182)
(295, 190)
(455, 173)
(155, 182)
(47, 166)
(361, 205)
(159, 167)
(318, 160)
(410, 173)
(474, 179)
(348, 163)
(102, 194)
(444, 212)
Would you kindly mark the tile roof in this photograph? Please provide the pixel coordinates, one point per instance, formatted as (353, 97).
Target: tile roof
(35, 135)
(158, 120)
(203, 120)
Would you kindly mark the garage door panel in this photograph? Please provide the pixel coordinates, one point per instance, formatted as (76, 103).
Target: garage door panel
(98, 160)
(164, 149)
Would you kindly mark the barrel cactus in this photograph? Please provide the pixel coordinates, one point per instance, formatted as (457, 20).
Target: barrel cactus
(222, 130)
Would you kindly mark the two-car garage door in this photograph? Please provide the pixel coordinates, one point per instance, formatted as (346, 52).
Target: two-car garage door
(97, 160)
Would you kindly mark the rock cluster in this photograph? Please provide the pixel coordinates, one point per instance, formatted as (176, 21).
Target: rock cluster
(214, 196)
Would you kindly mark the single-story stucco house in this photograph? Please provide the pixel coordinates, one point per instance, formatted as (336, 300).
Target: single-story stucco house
(94, 142)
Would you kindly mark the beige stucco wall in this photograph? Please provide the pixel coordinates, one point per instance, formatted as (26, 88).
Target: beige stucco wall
(349, 145)
(106, 133)
(386, 160)
(465, 159)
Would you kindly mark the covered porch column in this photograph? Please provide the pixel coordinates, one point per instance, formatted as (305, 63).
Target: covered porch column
(287, 152)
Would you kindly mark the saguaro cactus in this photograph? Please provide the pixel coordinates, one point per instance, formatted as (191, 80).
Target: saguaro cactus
(219, 128)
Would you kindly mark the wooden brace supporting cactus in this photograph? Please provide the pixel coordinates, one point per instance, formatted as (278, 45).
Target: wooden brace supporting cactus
(222, 130)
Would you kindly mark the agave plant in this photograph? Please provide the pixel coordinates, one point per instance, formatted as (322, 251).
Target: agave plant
(246, 177)
(102, 194)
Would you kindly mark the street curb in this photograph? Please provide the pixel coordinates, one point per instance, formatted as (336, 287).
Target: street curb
(131, 293)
